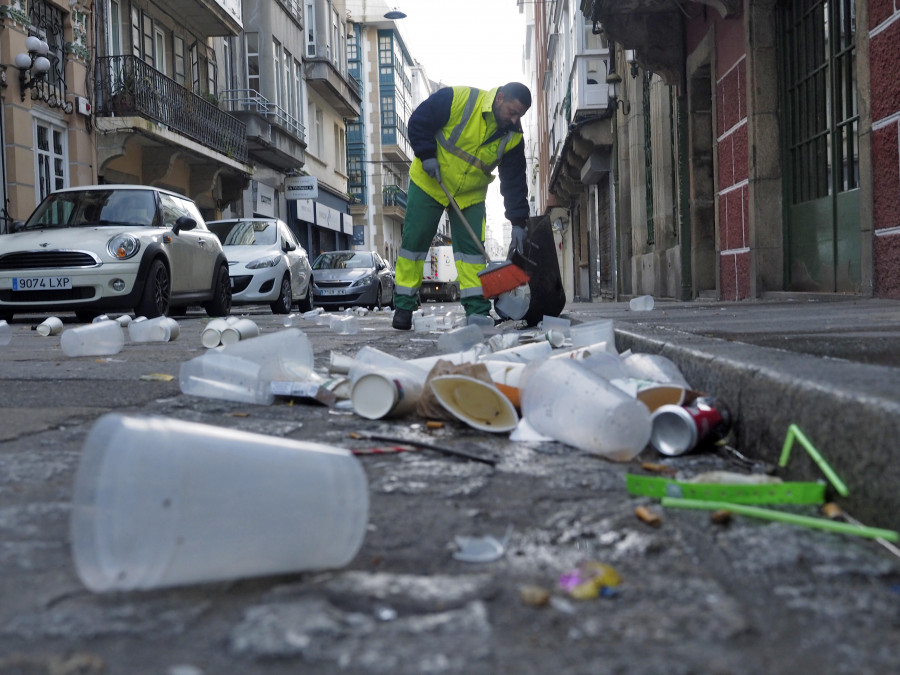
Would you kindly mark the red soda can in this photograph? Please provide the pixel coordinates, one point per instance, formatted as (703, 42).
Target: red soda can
(677, 429)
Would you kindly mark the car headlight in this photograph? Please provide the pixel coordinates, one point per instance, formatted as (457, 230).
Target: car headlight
(365, 281)
(123, 246)
(262, 263)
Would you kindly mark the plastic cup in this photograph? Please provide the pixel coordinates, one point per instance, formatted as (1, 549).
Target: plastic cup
(654, 367)
(230, 378)
(283, 355)
(460, 339)
(239, 330)
(161, 502)
(548, 323)
(93, 339)
(425, 323)
(592, 332)
(385, 392)
(562, 400)
(52, 325)
(339, 364)
(212, 333)
(642, 303)
(368, 359)
(158, 329)
(124, 320)
(5, 332)
(346, 325)
(522, 353)
(479, 404)
(514, 304)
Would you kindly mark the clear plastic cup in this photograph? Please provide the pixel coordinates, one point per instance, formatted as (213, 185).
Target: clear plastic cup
(5, 332)
(521, 353)
(93, 339)
(654, 367)
(592, 332)
(345, 325)
(283, 355)
(460, 339)
(158, 329)
(161, 502)
(239, 330)
(642, 303)
(555, 323)
(215, 374)
(574, 406)
(52, 325)
(425, 323)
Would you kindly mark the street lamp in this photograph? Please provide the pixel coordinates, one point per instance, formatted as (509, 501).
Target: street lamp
(614, 80)
(34, 64)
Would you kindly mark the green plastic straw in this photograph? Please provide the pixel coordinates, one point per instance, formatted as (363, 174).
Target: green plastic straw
(795, 433)
(783, 517)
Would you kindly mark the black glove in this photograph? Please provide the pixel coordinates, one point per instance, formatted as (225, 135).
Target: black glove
(432, 168)
(516, 240)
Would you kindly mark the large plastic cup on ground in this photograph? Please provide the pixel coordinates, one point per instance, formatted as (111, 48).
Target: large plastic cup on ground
(654, 367)
(574, 406)
(521, 353)
(283, 355)
(642, 303)
(52, 325)
(230, 378)
(5, 332)
(93, 339)
(161, 502)
(345, 325)
(385, 392)
(211, 336)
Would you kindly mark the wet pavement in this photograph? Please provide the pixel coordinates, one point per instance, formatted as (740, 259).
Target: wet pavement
(746, 596)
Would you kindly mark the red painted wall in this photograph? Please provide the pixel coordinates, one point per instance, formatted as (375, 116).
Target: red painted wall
(884, 59)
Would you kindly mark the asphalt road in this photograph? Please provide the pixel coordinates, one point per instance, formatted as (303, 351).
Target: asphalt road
(747, 596)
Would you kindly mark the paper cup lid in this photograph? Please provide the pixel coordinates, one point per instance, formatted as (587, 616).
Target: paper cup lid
(479, 404)
(373, 396)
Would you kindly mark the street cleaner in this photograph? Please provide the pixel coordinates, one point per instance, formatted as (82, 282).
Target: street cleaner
(459, 135)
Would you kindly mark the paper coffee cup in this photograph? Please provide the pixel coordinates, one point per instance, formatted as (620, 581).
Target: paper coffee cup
(479, 404)
(385, 393)
(52, 325)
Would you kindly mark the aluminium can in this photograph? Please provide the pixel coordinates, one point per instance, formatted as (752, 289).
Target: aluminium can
(678, 429)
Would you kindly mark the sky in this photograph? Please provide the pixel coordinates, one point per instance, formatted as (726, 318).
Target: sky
(475, 43)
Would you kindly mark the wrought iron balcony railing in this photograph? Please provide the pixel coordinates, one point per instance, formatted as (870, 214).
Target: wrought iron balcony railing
(394, 195)
(250, 100)
(128, 86)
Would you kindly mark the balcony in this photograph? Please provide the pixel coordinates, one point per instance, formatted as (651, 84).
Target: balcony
(394, 201)
(340, 91)
(207, 17)
(128, 87)
(274, 136)
(589, 94)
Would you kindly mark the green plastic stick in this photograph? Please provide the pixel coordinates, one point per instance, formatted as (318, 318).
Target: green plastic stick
(795, 433)
(783, 517)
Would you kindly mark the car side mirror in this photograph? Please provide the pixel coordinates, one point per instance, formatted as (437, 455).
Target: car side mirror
(18, 225)
(184, 223)
(379, 266)
(288, 246)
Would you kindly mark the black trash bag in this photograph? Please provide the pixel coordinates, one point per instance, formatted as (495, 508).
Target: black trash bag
(548, 297)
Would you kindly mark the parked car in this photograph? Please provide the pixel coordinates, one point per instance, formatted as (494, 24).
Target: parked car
(266, 262)
(349, 278)
(105, 248)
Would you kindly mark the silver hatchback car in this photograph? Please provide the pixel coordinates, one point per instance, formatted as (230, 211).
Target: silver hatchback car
(266, 263)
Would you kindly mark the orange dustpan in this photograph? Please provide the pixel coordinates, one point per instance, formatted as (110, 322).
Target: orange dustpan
(497, 277)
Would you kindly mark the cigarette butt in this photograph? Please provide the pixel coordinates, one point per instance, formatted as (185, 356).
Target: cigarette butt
(534, 595)
(832, 510)
(648, 516)
(720, 517)
(434, 424)
(657, 468)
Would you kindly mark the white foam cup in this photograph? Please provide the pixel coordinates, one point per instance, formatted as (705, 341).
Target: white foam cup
(479, 404)
(239, 330)
(384, 392)
(93, 339)
(161, 502)
(574, 406)
(592, 332)
(52, 325)
(215, 374)
(212, 333)
(5, 332)
(283, 355)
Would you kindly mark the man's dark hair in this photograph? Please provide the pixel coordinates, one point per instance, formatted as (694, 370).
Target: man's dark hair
(518, 92)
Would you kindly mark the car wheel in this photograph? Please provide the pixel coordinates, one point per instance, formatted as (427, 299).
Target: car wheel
(307, 304)
(155, 298)
(378, 304)
(220, 305)
(283, 304)
(454, 293)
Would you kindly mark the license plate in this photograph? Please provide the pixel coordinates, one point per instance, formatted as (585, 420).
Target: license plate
(332, 291)
(41, 283)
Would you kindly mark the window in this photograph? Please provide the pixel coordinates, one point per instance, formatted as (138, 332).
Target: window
(135, 32)
(114, 32)
(160, 49)
(50, 158)
(147, 39)
(251, 47)
(195, 69)
(310, 28)
(320, 132)
(178, 70)
(340, 149)
(278, 69)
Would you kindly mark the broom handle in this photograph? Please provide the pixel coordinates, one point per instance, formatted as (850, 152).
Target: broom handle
(465, 222)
